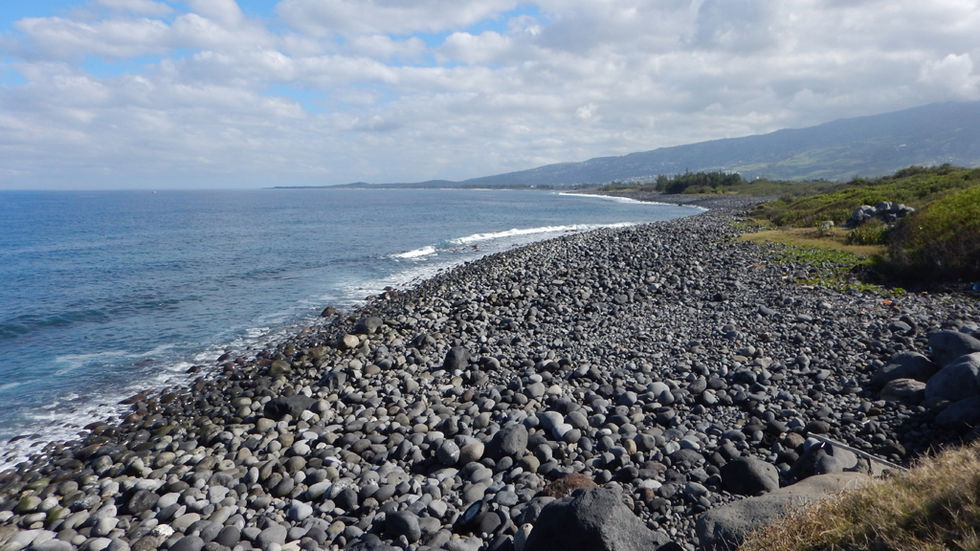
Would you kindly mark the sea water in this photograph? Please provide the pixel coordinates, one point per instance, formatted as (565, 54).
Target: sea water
(105, 294)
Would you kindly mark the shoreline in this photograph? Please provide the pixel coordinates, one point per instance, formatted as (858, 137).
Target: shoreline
(635, 355)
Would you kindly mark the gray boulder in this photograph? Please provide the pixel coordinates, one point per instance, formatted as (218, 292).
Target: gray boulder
(724, 528)
(368, 325)
(592, 520)
(949, 345)
(905, 365)
(964, 413)
(749, 476)
(904, 390)
(456, 358)
(510, 440)
(861, 215)
(956, 381)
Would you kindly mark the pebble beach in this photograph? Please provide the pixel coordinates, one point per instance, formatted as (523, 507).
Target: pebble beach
(450, 415)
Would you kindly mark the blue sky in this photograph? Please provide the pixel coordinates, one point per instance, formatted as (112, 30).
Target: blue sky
(219, 93)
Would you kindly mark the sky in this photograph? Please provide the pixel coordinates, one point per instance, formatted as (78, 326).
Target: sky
(140, 94)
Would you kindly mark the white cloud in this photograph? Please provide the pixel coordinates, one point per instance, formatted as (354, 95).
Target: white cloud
(137, 7)
(353, 17)
(224, 12)
(953, 73)
(59, 38)
(338, 90)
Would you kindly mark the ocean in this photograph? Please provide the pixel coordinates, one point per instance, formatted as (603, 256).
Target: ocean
(105, 294)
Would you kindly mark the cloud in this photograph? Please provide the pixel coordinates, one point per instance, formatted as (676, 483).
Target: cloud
(953, 73)
(330, 91)
(353, 17)
(58, 38)
(136, 7)
(224, 12)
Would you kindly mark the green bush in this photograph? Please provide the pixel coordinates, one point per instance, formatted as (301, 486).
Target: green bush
(872, 232)
(941, 241)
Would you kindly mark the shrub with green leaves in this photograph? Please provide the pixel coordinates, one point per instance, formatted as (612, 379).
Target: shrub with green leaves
(942, 240)
(872, 232)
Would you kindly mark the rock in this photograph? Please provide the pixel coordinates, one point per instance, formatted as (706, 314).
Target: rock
(229, 536)
(349, 341)
(370, 542)
(299, 511)
(24, 538)
(955, 381)
(949, 345)
(906, 365)
(456, 358)
(448, 453)
(277, 408)
(403, 523)
(279, 367)
(725, 527)
(591, 520)
(749, 476)
(275, 533)
(188, 543)
(964, 413)
(904, 390)
(510, 440)
(567, 484)
(52, 545)
(368, 325)
(142, 500)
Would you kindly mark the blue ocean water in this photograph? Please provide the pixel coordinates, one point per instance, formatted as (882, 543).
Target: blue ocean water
(104, 294)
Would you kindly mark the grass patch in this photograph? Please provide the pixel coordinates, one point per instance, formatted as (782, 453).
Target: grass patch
(935, 506)
(834, 263)
(832, 241)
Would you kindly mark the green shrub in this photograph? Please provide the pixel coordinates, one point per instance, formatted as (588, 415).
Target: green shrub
(872, 232)
(942, 240)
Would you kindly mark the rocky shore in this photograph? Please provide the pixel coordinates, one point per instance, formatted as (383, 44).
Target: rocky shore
(669, 363)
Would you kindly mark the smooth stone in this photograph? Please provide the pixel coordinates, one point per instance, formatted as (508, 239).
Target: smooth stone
(749, 476)
(591, 520)
(725, 527)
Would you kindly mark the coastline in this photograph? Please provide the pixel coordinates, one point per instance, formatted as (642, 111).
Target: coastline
(611, 351)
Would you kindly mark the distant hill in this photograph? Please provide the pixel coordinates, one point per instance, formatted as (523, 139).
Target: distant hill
(840, 150)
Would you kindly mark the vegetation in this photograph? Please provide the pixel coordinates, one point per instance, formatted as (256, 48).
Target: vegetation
(760, 187)
(935, 506)
(833, 262)
(699, 182)
(913, 186)
(941, 241)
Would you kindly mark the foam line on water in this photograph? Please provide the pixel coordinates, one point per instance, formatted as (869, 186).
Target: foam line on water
(421, 252)
(520, 232)
(629, 200)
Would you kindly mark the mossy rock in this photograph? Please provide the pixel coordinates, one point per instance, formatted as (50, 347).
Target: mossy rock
(280, 367)
(27, 504)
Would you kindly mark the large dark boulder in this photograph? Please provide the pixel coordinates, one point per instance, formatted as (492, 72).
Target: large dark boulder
(592, 520)
(456, 358)
(368, 325)
(905, 365)
(963, 414)
(948, 345)
(749, 476)
(956, 381)
(277, 408)
(510, 440)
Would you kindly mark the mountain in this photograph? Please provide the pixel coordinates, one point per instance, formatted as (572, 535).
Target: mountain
(840, 150)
